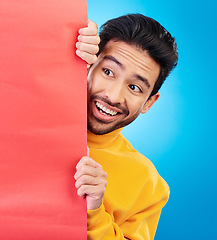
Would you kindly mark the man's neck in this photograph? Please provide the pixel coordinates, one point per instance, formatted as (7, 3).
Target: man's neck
(101, 141)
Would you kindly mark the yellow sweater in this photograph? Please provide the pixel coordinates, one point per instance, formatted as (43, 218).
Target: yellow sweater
(135, 193)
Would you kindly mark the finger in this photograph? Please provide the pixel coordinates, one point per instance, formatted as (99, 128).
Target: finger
(86, 170)
(88, 161)
(89, 39)
(88, 48)
(88, 180)
(90, 171)
(91, 29)
(93, 191)
(89, 58)
(87, 166)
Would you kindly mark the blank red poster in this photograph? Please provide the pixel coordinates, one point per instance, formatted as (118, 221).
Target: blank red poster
(42, 119)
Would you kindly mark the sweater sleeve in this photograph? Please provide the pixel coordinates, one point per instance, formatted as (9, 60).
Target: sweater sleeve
(139, 226)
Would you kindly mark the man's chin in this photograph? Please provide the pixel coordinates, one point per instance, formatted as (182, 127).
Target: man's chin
(98, 131)
(101, 130)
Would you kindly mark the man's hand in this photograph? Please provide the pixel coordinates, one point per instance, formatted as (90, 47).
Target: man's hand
(90, 182)
(88, 41)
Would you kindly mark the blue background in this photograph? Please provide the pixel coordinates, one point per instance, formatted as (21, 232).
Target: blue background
(179, 133)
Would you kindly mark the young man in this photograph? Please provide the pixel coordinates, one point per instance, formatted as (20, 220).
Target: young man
(124, 192)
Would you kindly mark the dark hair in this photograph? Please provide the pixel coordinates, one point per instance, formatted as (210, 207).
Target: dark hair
(146, 34)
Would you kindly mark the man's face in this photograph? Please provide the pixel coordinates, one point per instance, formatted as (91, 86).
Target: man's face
(119, 85)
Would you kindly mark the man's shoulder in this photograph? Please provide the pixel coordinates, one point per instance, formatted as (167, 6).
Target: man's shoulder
(143, 163)
(135, 154)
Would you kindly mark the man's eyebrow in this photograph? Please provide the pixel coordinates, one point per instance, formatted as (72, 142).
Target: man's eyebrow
(143, 80)
(109, 57)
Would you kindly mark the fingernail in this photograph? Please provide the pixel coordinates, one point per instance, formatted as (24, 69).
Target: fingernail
(78, 52)
(75, 177)
(79, 38)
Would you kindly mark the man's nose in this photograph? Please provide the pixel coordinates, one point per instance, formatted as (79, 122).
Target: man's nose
(115, 92)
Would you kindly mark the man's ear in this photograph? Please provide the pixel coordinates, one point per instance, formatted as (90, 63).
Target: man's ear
(150, 102)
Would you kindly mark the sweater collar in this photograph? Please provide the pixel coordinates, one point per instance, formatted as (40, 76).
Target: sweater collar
(102, 141)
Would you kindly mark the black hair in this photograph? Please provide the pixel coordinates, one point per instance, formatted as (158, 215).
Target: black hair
(146, 34)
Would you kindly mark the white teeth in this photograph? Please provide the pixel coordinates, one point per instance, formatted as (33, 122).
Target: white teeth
(105, 110)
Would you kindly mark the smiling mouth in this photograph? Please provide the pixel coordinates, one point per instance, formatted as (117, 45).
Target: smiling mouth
(105, 111)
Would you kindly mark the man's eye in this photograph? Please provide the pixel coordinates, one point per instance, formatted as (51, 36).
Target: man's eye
(135, 88)
(108, 72)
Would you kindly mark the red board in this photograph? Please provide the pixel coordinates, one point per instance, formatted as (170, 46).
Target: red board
(42, 119)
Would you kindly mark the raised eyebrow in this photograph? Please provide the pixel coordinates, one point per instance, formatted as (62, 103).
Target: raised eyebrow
(109, 57)
(143, 80)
